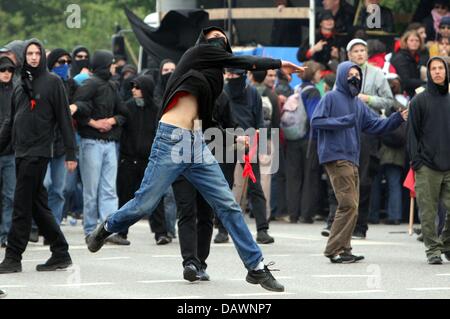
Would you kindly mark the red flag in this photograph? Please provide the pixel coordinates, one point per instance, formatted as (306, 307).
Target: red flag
(409, 183)
(248, 171)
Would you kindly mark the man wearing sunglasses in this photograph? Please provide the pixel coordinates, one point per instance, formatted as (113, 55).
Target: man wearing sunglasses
(58, 62)
(7, 167)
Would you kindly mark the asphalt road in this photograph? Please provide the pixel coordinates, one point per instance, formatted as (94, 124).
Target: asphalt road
(395, 267)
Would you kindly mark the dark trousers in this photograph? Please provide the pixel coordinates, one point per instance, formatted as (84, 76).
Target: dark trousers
(31, 202)
(195, 223)
(303, 179)
(254, 192)
(278, 200)
(129, 178)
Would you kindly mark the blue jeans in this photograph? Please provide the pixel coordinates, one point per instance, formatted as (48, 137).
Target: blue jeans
(8, 185)
(54, 182)
(200, 168)
(170, 208)
(73, 190)
(98, 167)
(393, 175)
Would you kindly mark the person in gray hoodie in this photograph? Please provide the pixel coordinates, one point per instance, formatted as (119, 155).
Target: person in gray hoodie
(340, 118)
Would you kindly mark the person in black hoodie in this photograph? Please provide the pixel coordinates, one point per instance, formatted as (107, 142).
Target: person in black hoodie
(58, 62)
(166, 69)
(80, 63)
(7, 167)
(429, 152)
(100, 113)
(135, 145)
(38, 105)
(190, 95)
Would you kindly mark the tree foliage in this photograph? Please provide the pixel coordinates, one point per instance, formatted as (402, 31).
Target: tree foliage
(47, 21)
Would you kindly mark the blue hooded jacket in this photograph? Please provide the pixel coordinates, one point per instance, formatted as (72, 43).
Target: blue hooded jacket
(340, 118)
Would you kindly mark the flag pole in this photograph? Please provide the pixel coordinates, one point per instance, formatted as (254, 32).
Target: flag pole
(411, 216)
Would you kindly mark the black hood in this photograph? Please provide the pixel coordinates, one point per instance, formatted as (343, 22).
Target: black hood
(54, 55)
(433, 87)
(77, 66)
(202, 37)
(42, 67)
(101, 62)
(17, 47)
(147, 87)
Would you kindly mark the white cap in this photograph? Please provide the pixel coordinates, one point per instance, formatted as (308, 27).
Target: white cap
(354, 42)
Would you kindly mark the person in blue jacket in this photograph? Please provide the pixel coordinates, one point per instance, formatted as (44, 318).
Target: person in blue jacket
(340, 118)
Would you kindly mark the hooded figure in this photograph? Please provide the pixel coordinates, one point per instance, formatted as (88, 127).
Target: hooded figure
(200, 73)
(6, 91)
(17, 47)
(39, 104)
(161, 82)
(63, 70)
(78, 65)
(429, 125)
(429, 151)
(341, 116)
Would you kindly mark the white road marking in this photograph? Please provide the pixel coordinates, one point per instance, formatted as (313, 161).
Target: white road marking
(261, 294)
(182, 297)
(429, 289)
(71, 247)
(85, 284)
(352, 292)
(343, 276)
(442, 274)
(243, 279)
(32, 260)
(112, 258)
(166, 256)
(270, 256)
(160, 281)
(14, 286)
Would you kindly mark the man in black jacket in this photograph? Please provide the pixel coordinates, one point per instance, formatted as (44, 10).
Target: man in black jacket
(135, 145)
(429, 151)
(179, 148)
(7, 167)
(39, 104)
(100, 113)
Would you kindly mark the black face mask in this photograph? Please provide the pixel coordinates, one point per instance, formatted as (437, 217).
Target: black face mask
(354, 85)
(165, 79)
(119, 70)
(218, 42)
(237, 87)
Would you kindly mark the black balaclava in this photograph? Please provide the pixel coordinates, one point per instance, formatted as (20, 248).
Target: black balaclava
(237, 85)
(101, 63)
(354, 84)
(79, 65)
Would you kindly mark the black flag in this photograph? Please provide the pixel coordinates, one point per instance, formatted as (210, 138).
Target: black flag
(178, 32)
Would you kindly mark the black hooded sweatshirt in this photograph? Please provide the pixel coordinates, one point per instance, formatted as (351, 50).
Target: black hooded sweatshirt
(99, 98)
(33, 130)
(6, 92)
(141, 122)
(429, 125)
(200, 73)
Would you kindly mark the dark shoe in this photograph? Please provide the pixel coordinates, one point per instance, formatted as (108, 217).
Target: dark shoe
(265, 279)
(9, 266)
(357, 258)
(2, 294)
(305, 220)
(343, 259)
(46, 242)
(55, 263)
(96, 240)
(221, 238)
(34, 236)
(325, 232)
(447, 255)
(262, 237)
(190, 273)
(392, 222)
(358, 235)
(163, 240)
(117, 240)
(435, 260)
(203, 275)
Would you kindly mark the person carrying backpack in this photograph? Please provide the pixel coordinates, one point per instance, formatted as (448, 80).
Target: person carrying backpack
(302, 163)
